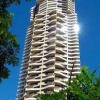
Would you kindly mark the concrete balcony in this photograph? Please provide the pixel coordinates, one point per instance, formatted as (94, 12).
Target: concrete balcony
(75, 68)
(32, 71)
(60, 82)
(33, 80)
(48, 77)
(61, 37)
(61, 55)
(59, 70)
(36, 50)
(59, 65)
(50, 46)
(23, 70)
(32, 89)
(61, 58)
(61, 79)
(39, 40)
(21, 82)
(78, 64)
(60, 50)
(73, 53)
(42, 28)
(30, 98)
(52, 33)
(39, 15)
(75, 50)
(74, 43)
(74, 61)
(39, 20)
(60, 14)
(22, 78)
(74, 46)
(61, 74)
(76, 72)
(52, 16)
(38, 32)
(35, 69)
(53, 27)
(36, 57)
(61, 43)
(49, 83)
(38, 47)
(51, 61)
(72, 37)
(37, 43)
(49, 69)
(22, 85)
(52, 22)
(60, 31)
(61, 62)
(57, 89)
(39, 26)
(37, 54)
(37, 37)
(51, 40)
(20, 90)
(24, 64)
(31, 64)
(20, 94)
(59, 19)
(48, 87)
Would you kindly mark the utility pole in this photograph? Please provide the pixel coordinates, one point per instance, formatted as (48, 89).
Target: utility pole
(70, 79)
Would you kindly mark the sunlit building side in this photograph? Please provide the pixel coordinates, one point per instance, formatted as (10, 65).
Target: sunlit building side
(52, 43)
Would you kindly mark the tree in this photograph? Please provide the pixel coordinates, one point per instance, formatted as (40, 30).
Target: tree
(9, 47)
(86, 86)
(53, 96)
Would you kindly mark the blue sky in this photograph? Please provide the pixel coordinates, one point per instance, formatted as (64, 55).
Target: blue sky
(89, 20)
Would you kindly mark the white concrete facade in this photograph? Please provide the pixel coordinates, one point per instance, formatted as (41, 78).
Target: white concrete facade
(51, 44)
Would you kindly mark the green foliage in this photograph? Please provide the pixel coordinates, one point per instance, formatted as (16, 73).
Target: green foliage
(7, 3)
(53, 96)
(9, 47)
(86, 86)
(8, 53)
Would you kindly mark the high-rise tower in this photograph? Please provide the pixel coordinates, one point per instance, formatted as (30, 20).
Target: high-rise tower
(51, 45)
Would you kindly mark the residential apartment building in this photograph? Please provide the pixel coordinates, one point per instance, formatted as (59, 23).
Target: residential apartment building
(51, 46)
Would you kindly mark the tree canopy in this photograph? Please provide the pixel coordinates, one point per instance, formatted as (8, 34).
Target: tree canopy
(9, 47)
(53, 96)
(86, 86)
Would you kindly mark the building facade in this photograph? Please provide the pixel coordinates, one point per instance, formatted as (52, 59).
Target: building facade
(51, 45)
